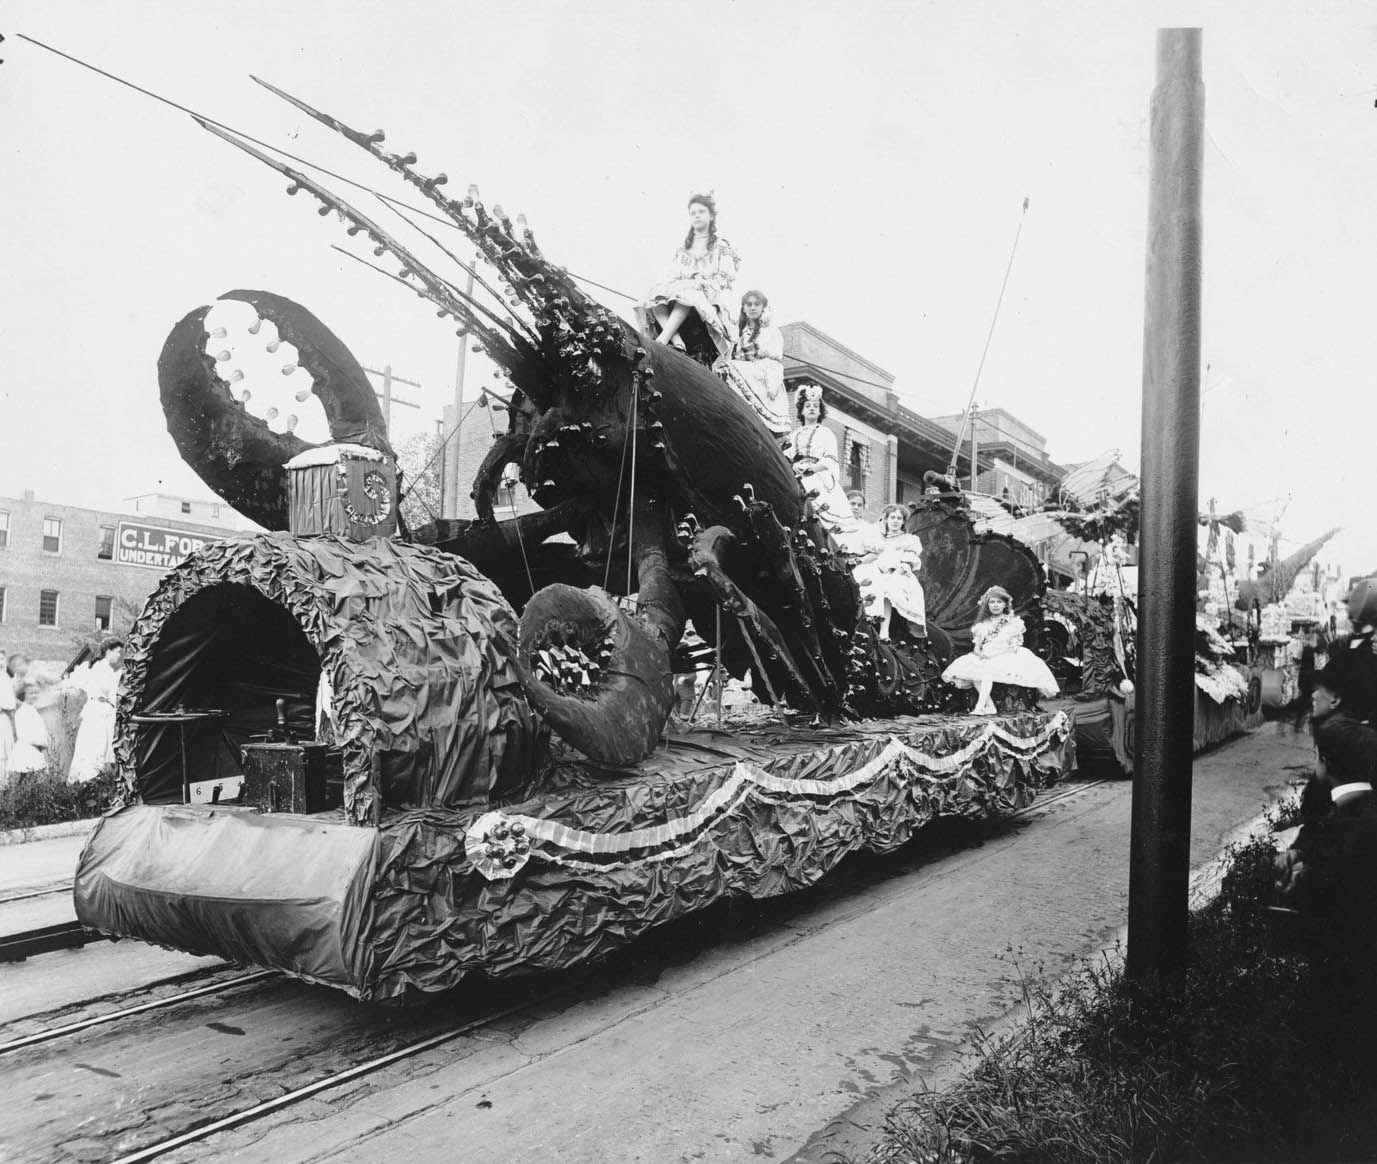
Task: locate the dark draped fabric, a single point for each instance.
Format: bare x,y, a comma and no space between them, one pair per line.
227,649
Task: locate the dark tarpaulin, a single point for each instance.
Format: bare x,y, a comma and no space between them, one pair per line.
418,903
416,642
270,890
436,918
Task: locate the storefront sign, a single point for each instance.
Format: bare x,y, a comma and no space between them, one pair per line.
154,546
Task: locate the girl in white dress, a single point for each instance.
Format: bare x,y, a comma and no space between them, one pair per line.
812,449
888,574
699,282
999,655
30,752
94,750
755,371
7,708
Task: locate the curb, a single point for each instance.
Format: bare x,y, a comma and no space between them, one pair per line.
66,828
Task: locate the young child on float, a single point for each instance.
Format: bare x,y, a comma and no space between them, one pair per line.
998,654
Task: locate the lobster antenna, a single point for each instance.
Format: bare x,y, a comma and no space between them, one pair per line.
534,278
433,287
468,269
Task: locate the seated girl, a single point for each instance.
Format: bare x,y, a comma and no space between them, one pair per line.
888,574
812,449
697,285
999,655
755,371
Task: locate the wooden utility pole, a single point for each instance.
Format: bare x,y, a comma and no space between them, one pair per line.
388,400
1159,869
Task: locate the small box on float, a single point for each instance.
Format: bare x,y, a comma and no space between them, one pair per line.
344,489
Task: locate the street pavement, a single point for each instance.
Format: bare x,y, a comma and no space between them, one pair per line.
792,1042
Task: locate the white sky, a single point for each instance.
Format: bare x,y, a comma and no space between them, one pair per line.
870,160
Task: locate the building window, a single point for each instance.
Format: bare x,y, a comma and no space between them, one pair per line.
186,506
2,604
855,467
47,608
214,511
4,528
104,604
52,535
107,543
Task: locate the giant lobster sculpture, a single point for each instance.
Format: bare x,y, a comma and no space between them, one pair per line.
667,486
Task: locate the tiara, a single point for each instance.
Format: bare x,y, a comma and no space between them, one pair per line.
811,391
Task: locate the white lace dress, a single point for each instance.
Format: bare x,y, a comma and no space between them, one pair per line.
893,576
1000,656
812,449
755,372
700,280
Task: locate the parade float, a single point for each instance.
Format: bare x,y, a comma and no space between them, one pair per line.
1089,632
426,785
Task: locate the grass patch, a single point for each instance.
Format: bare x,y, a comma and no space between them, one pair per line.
1230,1069
29,799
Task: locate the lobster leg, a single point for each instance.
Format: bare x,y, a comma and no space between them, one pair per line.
705,556
775,547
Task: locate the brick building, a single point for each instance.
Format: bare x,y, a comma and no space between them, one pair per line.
1020,469
69,575
884,448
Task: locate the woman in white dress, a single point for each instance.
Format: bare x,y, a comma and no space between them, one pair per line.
888,574
999,655
699,282
812,449
94,750
7,709
755,371
30,752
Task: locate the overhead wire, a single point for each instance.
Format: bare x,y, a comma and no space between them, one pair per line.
398,205
970,402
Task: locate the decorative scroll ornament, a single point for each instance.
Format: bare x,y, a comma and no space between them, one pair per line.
375,488
497,846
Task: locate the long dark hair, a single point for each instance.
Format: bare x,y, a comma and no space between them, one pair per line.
704,200
754,325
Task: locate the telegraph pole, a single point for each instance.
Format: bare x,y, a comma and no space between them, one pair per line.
1159,851
388,400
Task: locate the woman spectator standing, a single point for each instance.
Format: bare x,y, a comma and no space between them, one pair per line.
30,752
7,709
756,368
94,750
703,272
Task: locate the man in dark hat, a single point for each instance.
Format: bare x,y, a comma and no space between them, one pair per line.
1330,873
1354,656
